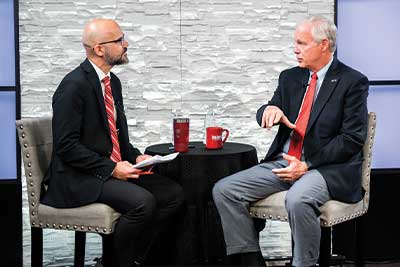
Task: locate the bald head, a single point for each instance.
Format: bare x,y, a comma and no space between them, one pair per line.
99,30
104,43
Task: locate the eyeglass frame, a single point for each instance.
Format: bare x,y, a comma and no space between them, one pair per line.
120,39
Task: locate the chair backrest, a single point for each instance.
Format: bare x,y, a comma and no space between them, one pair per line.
367,152
36,140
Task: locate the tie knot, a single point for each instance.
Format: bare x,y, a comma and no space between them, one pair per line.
314,76
106,80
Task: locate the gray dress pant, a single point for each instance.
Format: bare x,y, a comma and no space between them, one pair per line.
233,195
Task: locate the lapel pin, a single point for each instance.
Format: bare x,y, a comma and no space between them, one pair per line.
333,80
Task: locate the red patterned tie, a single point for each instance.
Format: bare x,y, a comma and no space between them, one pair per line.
109,103
296,142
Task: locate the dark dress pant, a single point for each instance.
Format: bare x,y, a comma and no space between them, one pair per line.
147,205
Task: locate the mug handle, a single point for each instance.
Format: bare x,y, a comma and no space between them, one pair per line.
226,134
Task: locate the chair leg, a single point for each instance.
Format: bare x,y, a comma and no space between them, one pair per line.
325,247
36,247
80,241
291,258
359,242
108,248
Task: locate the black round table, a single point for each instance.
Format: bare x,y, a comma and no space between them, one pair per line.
200,240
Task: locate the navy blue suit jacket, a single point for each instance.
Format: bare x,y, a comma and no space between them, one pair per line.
337,127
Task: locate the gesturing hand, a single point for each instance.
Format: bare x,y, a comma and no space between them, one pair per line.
294,171
272,115
124,170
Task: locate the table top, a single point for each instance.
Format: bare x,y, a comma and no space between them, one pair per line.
199,149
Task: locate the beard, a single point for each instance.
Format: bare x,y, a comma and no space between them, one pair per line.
116,60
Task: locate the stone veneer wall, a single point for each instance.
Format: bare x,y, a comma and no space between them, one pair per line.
184,55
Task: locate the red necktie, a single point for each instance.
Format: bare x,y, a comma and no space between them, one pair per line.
109,103
296,142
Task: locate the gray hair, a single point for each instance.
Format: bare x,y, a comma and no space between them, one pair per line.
322,28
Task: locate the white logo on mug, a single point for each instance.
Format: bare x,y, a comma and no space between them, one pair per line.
216,137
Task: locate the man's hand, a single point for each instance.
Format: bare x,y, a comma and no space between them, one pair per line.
294,171
272,115
142,157
124,170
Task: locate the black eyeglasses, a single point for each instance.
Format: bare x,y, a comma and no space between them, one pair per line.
120,40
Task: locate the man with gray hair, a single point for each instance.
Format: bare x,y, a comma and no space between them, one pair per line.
321,109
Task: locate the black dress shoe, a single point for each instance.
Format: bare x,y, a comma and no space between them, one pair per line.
98,262
252,259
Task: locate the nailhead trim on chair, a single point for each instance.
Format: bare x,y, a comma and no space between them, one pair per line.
26,151
68,227
89,229
344,218
271,217
366,185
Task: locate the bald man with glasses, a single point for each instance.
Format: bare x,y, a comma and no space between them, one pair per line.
92,158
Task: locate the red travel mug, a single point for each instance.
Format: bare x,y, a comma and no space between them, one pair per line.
214,137
181,134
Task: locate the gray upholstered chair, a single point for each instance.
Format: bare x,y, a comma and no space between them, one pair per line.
35,138
332,212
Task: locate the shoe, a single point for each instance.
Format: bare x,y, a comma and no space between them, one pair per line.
98,262
252,259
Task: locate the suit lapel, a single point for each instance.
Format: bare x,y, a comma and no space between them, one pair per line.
95,83
117,101
298,94
328,86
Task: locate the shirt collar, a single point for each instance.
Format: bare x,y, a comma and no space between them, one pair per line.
99,72
322,72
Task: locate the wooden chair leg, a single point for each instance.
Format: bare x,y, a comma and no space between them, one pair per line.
36,247
79,256
325,247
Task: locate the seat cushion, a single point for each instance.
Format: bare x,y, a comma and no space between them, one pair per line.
332,212
272,207
94,217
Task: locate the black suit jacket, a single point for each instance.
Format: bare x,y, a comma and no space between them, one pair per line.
337,127
81,139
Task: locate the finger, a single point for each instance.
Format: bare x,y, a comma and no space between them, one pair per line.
284,177
132,176
281,170
263,123
286,121
278,117
134,171
288,157
271,120
126,164
287,179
